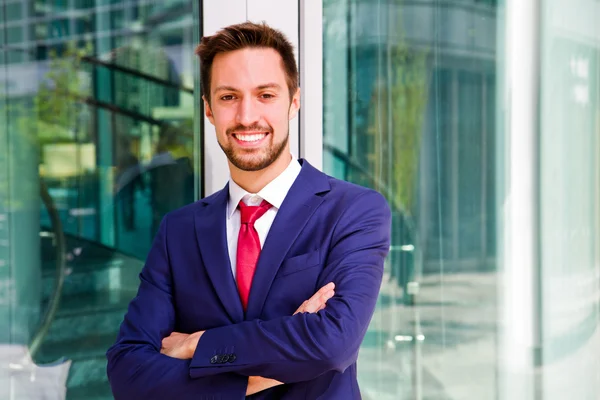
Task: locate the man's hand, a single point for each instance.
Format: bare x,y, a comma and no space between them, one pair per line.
180,345
258,384
318,300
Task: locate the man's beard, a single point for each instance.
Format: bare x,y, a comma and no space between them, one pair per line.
255,162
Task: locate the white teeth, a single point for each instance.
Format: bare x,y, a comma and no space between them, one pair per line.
251,138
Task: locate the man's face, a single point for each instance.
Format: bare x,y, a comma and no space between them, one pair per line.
250,107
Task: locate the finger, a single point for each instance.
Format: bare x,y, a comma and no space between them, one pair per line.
324,290
311,305
314,303
322,295
301,308
304,307
326,296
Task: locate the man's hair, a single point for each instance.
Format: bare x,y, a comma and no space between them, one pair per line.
241,36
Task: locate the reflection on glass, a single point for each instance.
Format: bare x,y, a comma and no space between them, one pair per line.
417,105
98,112
409,110
570,193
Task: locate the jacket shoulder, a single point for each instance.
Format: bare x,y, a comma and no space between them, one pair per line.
347,191
188,211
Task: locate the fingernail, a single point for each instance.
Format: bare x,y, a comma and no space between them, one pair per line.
331,285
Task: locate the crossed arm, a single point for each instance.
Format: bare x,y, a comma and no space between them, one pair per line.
183,345
288,349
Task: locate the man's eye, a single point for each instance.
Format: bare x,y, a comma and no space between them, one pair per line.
227,97
267,96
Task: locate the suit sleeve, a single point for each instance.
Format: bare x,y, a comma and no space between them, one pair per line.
136,368
304,346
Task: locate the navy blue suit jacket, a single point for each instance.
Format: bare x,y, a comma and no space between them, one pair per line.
326,230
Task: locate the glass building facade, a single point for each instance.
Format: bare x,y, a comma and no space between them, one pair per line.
479,120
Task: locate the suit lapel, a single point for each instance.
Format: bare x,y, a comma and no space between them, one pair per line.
211,233
299,205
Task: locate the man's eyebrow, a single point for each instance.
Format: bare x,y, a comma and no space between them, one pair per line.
227,88
269,86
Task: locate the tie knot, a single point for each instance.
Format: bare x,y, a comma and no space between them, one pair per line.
249,214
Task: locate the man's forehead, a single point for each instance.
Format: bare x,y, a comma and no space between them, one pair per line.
252,67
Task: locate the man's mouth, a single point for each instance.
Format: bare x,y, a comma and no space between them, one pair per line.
254,137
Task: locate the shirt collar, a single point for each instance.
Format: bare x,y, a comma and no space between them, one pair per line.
274,192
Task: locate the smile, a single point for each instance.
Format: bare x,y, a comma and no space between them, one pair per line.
250,138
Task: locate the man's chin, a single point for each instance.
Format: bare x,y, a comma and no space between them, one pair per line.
257,159
251,164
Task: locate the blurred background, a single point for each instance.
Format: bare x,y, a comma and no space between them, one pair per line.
479,120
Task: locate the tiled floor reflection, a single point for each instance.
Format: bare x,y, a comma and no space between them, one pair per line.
456,358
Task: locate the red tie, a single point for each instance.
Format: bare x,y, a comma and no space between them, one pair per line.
248,248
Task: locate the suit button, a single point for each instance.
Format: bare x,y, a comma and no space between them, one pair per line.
232,358
214,359
223,359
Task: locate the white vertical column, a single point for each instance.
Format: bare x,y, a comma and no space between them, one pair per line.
216,15
519,296
311,81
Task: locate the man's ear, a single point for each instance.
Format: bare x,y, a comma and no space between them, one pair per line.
208,111
295,105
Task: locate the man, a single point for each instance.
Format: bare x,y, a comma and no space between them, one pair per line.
216,315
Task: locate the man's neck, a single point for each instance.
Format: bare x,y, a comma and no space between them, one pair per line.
254,181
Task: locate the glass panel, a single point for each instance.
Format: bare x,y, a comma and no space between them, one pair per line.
84,25
14,34
13,11
79,4
416,105
117,20
409,110
96,146
570,199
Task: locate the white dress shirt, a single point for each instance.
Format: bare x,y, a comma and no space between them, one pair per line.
274,193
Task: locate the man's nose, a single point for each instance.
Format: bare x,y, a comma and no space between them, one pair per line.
248,112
